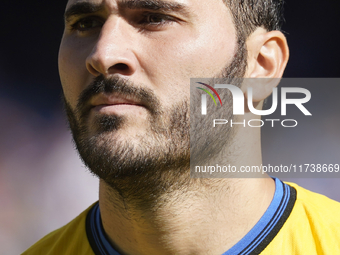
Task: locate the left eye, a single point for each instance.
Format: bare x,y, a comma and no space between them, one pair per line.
155,19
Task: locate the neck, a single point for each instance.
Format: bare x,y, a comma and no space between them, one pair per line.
188,216
207,218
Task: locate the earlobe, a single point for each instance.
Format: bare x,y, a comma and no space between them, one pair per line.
268,55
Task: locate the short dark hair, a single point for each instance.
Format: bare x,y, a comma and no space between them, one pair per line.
250,14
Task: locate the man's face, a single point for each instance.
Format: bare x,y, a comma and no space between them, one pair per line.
141,55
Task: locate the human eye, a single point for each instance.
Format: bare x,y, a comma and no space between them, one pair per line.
86,24
155,19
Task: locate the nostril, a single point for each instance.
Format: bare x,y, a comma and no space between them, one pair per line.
120,68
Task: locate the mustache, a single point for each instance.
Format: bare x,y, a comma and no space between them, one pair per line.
119,86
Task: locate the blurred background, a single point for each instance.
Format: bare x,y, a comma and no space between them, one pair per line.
43,184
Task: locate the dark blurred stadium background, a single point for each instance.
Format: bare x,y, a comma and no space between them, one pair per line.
42,182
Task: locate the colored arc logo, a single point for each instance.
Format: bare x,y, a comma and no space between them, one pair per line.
208,86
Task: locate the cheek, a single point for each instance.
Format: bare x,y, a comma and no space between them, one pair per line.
72,70
171,61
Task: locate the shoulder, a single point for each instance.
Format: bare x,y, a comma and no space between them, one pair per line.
316,206
67,240
313,226
319,213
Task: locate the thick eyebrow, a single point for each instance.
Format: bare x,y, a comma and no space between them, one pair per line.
154,5
81,8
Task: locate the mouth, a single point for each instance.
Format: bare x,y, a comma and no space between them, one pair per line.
115,104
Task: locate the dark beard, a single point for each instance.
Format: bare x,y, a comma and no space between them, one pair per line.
208,145
160,162
132,170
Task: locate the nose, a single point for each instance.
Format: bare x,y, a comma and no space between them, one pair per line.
112,52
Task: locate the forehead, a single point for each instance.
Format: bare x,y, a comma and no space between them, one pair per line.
188,5
112,2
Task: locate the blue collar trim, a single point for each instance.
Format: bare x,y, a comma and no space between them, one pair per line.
268,222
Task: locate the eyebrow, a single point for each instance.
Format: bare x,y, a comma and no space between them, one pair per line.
155,5
82,8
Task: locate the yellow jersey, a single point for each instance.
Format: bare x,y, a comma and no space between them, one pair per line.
296,222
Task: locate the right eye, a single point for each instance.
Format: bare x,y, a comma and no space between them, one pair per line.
86,24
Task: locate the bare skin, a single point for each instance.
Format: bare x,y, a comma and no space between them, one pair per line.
162,51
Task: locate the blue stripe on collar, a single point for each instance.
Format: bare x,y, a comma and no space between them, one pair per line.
270,223
96,234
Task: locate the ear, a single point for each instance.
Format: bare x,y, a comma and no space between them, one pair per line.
268,55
